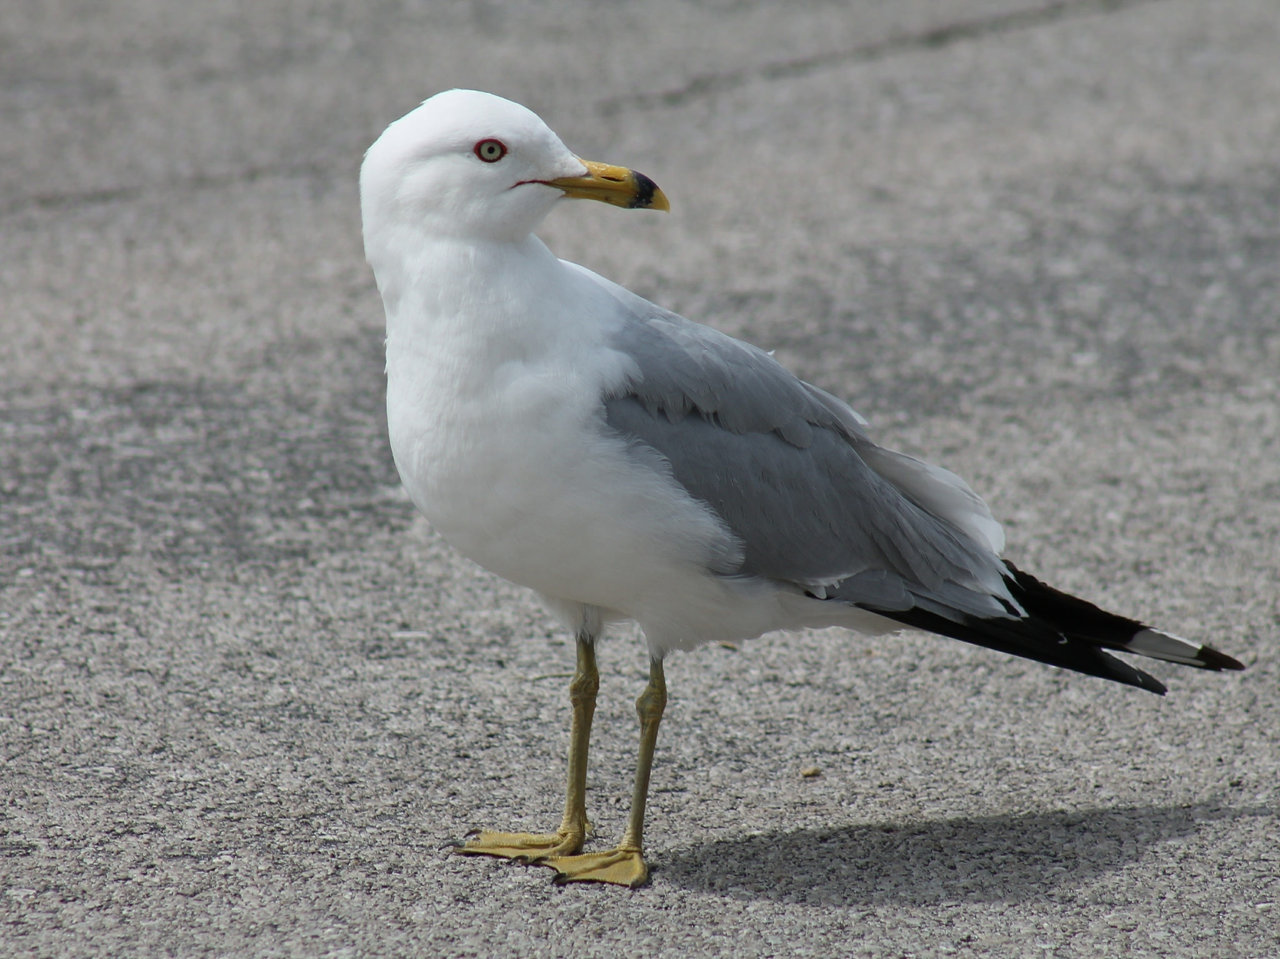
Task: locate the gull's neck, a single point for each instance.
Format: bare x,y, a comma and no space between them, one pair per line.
460,312
451,288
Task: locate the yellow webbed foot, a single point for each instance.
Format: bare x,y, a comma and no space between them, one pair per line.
521,846
622,867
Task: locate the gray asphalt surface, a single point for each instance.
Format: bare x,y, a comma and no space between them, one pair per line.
245,697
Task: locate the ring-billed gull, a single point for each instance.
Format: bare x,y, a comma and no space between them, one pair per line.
628,464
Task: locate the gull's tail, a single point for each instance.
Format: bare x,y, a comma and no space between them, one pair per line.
1065,631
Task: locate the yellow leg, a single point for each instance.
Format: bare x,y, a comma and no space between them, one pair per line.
568,839
625,865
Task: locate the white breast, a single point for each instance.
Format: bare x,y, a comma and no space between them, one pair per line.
494,403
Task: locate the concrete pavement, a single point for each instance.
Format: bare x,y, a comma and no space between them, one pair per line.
245,696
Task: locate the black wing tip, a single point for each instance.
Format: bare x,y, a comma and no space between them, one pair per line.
1086,621
1030,639
1210,658
1119,671
1148,682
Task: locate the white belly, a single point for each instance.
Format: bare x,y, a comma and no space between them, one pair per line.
522,478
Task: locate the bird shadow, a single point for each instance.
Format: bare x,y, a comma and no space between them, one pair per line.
965,859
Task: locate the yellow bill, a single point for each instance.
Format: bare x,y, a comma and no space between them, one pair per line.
615,185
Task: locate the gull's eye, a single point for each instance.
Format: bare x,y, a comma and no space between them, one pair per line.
490,151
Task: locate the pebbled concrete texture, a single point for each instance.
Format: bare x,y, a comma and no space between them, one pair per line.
245,697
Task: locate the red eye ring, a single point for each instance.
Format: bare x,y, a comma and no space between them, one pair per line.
490,151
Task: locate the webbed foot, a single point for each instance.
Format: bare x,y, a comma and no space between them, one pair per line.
622,867
521,846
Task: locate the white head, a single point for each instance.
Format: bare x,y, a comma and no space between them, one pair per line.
468,163
474,166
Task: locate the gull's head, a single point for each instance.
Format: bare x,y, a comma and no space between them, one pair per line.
475,166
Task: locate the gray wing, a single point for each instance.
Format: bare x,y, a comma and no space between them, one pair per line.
791,472
814,503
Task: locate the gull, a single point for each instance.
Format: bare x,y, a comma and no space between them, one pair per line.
630,465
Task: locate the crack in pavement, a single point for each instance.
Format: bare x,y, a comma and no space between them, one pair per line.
933,38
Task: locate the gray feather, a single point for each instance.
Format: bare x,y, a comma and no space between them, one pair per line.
793,475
